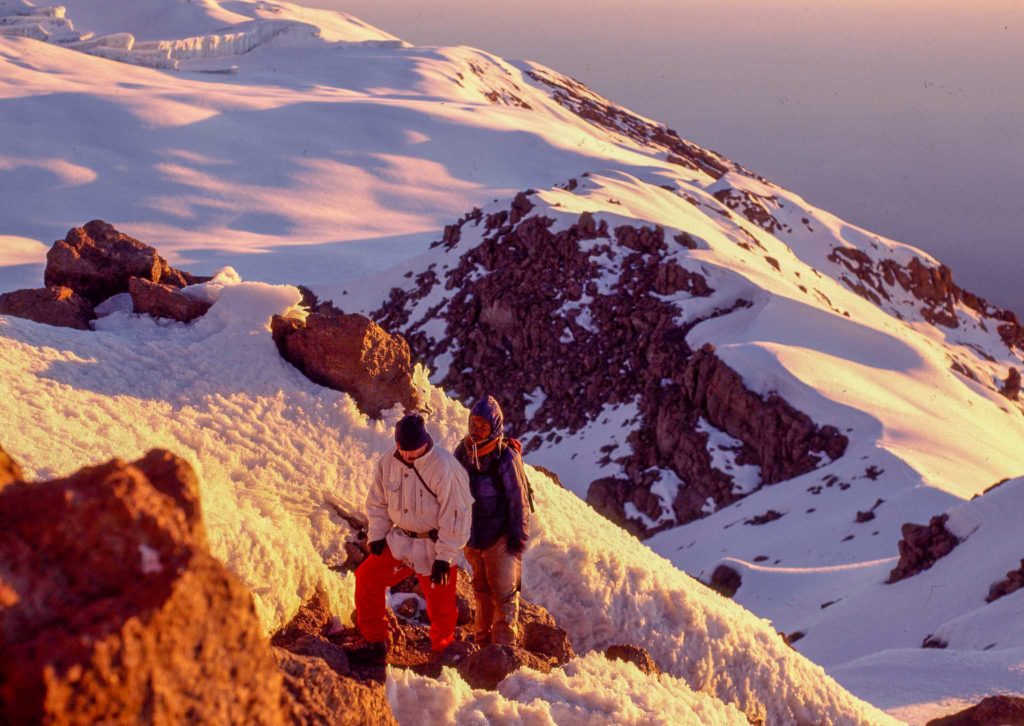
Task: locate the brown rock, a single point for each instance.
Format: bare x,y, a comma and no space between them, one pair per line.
55,305
96,261
541,636
316,694
311,619
349,353
635,655
1013,581
119,612
164,301
1011,386
490,665
725,581
10,472
990,711
922,546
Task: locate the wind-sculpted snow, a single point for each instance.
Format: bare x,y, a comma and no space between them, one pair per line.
587,691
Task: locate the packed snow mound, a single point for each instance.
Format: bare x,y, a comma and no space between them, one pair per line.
274,451
589,690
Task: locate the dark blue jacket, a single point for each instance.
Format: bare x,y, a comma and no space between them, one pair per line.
499,488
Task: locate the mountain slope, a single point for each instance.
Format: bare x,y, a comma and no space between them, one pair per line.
755,382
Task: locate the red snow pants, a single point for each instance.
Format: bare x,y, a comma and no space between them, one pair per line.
379,572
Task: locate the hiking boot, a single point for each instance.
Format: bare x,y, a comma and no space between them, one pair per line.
368,654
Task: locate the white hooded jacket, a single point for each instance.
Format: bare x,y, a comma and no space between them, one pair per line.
397,498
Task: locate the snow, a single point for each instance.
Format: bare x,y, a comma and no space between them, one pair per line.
588,690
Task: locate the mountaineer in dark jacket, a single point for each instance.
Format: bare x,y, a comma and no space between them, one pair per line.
501,522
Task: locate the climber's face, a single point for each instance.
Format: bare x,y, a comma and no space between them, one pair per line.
479,428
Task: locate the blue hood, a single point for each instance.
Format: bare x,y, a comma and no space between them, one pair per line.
489,410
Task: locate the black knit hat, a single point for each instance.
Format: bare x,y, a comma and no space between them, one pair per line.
411,433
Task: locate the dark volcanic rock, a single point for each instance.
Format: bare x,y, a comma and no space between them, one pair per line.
875,279
164,301
589,316
1013,581
56,305
116,612
96,261
990,711
490,665
725,581
633,654
350,353
1011,386
922,545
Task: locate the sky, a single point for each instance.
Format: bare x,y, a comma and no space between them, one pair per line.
903,116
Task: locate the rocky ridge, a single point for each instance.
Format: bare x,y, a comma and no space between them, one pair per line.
590,316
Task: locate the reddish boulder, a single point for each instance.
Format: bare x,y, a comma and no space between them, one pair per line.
318,695
635,655
55,305
922,545
725,581
115,610
490,665
164,301
990,711
96,261
349,353
542,637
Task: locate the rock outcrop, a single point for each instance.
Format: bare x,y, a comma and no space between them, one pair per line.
990,711
114,610
937,295
164,301
55,305
350,353
1013,581
490,665
633,654
725,581
922,545
97,261
318,676
1011,386
587,319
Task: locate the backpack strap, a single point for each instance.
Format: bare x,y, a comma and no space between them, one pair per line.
418,476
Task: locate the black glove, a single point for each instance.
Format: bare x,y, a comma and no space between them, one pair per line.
439,573
377,546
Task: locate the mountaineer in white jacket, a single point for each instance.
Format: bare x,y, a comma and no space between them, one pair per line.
420,509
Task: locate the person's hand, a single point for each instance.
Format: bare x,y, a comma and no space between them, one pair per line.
439,573
515,444
377,546
516,546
